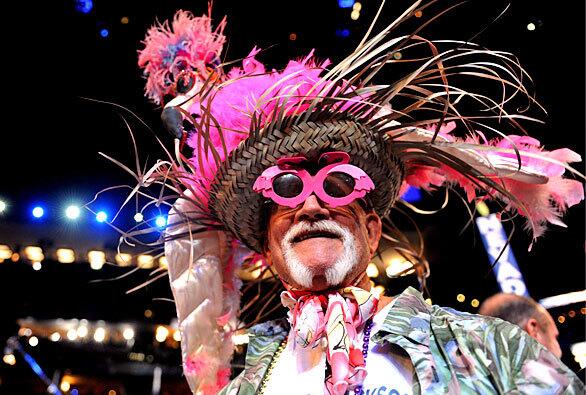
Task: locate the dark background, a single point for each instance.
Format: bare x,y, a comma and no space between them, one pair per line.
54,57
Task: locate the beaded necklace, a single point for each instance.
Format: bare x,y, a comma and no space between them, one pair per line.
365,343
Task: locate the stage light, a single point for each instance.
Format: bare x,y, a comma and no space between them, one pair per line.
65,255
161,221
398,55
571,313
25,332
293,36
342,32
418,14
398,266
161,333
72,212
123,259
38,212
372,270
100,334
5,252
74,392
3,206
101,216
111,392
345,3
82,331
357,6
561,319
84,6
65,386
72,334
33,341
138,217
177,336
163,262
124,20
55,337
145,261
96,259
148,313
9,359
354,15
531,26
104,33
37,266
460,298
475,303
34,253
128,333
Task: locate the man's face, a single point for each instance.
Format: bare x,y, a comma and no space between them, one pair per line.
316,247
547,334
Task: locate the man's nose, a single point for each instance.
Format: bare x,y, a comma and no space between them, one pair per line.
312,210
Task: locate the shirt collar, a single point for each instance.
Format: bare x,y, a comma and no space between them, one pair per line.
409,317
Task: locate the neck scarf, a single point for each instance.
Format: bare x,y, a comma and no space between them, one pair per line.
333,316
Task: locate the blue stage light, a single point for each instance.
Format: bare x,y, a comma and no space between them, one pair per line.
84,6
104,33
346,3
342,32
101,216
412,195
161,221
38,212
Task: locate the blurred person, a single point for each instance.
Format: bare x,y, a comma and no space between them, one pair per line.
526,313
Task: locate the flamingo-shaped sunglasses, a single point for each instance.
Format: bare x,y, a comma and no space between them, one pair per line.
336,184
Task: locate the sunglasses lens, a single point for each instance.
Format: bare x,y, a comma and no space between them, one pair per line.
287,185
339,184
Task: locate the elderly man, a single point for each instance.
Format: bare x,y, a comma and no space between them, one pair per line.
527,314
299,166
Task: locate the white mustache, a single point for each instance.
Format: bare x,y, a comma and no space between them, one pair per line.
325,225
335,274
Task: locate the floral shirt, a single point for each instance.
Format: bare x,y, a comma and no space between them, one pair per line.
451,352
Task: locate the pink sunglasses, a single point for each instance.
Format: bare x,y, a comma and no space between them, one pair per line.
336,184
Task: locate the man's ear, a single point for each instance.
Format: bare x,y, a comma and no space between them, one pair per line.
374,228
532,327
265,249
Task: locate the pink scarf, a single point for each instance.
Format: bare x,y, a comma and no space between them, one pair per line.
345,311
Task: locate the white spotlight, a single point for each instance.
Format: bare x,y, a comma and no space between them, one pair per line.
100,334
65,255
96,259
72,212
128,333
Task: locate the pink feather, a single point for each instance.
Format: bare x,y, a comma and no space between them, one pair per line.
190,40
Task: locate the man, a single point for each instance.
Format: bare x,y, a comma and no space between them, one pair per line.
528,315
299,167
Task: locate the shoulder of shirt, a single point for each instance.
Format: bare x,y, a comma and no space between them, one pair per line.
410,311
